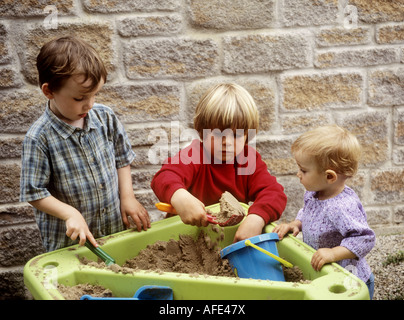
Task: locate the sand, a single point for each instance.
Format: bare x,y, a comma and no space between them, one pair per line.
77,291
184,256
229,206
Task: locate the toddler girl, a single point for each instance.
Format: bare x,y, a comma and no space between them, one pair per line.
332,219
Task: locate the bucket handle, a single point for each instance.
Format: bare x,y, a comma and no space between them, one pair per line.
284,262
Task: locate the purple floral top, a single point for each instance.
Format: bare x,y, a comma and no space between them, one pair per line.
339,221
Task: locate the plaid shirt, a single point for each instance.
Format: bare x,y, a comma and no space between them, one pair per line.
78,167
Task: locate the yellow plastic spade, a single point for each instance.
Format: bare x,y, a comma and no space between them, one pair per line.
284,262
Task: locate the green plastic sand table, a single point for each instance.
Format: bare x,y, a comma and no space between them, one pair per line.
63,266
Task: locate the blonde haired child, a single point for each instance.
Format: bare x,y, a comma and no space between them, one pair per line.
332,220
222,161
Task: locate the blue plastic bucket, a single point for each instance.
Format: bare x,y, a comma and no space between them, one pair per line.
248,262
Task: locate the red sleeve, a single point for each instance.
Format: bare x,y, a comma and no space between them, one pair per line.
266,193
175,174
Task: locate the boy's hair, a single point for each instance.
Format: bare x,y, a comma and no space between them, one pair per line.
63,57
332,147
226,106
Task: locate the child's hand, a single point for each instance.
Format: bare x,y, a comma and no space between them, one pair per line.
190,209
134,209
284,228
250,227
76,227
329,255
321,257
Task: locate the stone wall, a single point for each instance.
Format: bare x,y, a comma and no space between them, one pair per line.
306,63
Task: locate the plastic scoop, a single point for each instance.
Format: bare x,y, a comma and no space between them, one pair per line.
232,221
284,262
166,207
100,253
143,293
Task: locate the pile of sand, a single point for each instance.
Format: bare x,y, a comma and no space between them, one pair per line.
185,256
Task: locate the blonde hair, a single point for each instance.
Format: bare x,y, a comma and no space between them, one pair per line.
332,147
226,106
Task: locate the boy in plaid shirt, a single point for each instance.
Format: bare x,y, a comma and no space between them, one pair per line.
76,156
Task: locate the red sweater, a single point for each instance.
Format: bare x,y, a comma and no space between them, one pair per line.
207,181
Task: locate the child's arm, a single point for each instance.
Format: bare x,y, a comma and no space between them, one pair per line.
129,205
190,209
251,226
282,229
327,255
76,226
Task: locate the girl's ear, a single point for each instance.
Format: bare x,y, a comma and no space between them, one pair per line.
331,176
46,91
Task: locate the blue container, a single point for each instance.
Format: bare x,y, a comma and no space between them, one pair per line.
248,262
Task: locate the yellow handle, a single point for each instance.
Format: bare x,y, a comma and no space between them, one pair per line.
166,207
284,262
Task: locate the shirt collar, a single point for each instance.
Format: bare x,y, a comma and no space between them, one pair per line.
65,129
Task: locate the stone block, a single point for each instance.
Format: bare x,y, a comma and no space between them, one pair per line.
142,158
5,51
319,91
10,147
386,87
398,156
151,25
371,129
16,214
294,191
12,285
399,126
35,8
300,123
142,102
9,77
377,11
402,55
148,135
358,183
387,185
390,34
10,183
266,52
97,34
147,198
118,6
19,109
378,216
339,36
276,154
398,214
142,178
356,57
179,58
309,12
19,244
231,14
